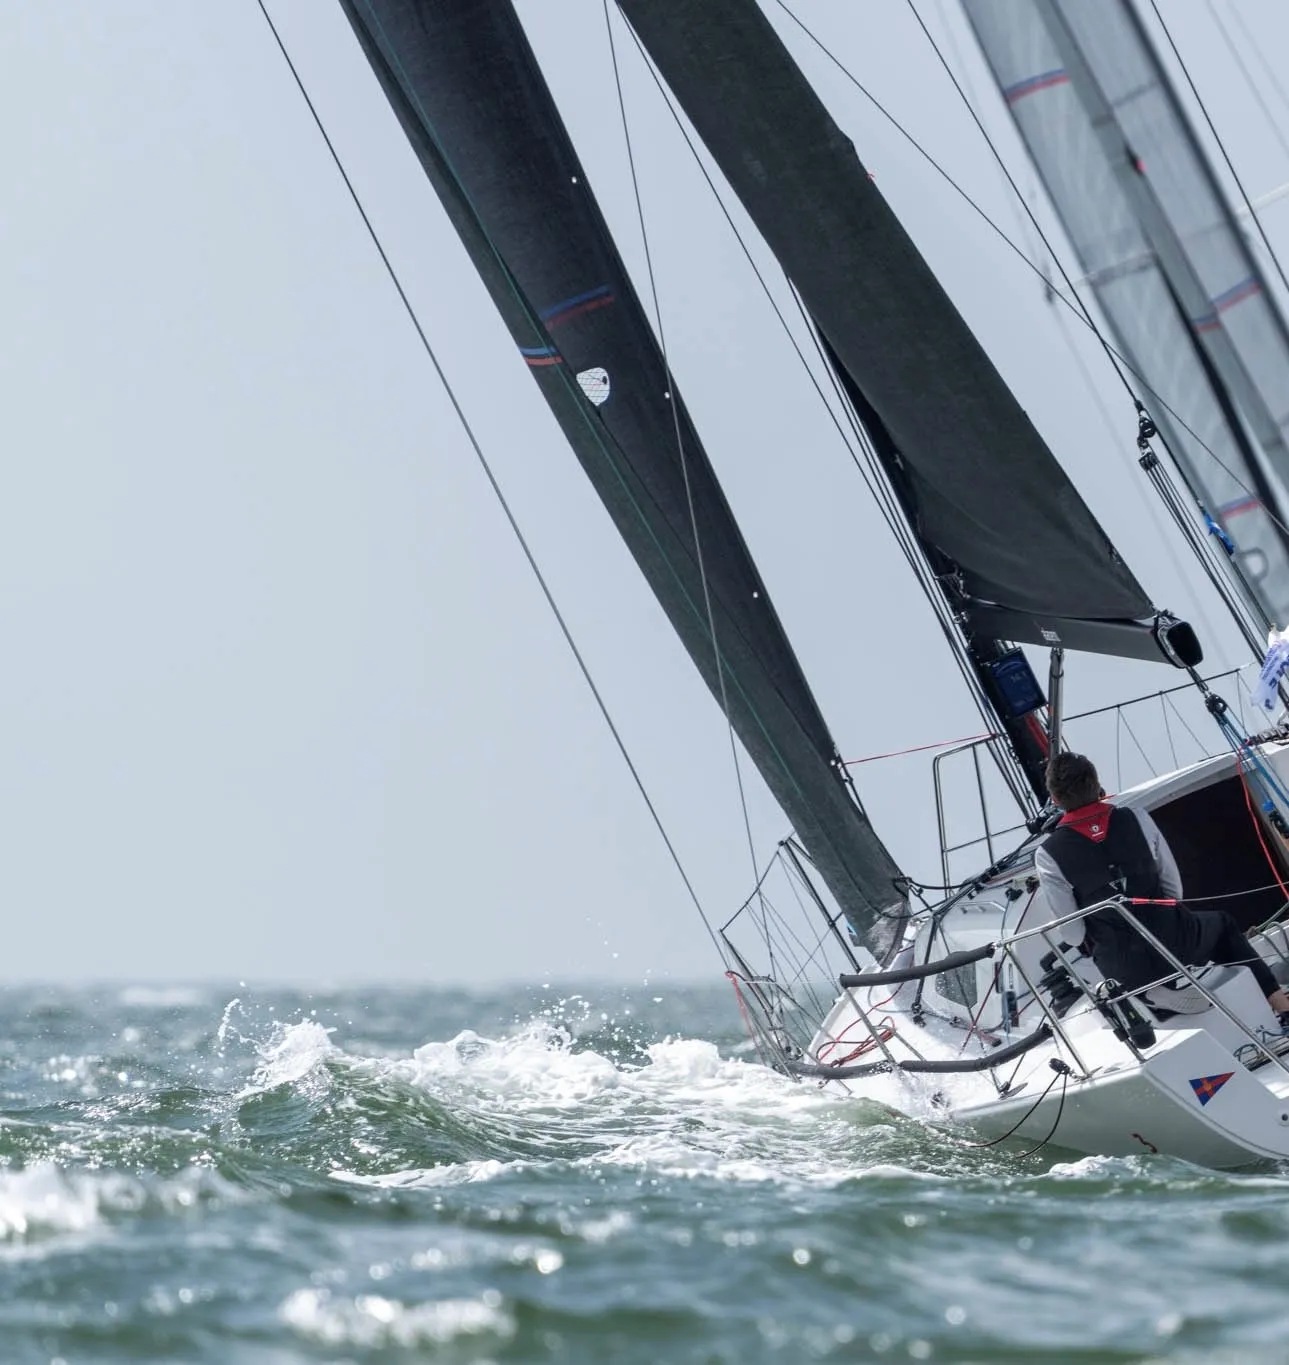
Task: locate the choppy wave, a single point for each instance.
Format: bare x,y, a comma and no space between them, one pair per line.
395,1176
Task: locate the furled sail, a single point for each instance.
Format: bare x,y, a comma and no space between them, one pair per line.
1164,255
464,83
1018,550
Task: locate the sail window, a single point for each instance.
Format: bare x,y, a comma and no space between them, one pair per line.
959,985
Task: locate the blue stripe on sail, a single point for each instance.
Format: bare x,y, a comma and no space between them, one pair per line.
541,355
1227,299
1243,290
592,298
1032,84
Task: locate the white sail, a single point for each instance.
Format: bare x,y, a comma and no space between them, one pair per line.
1164,255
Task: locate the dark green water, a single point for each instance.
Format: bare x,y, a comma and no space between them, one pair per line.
394,1175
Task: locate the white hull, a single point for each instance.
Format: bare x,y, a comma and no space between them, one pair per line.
1210,1086
1153,1107
1189,1095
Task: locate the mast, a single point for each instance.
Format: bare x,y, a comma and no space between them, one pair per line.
463,82
1015,551
1186,301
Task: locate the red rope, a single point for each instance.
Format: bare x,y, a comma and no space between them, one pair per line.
1257,825
841,1037
733,979
885,1032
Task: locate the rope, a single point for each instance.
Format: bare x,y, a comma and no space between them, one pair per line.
1276,131
973,1025
492,480
684,465
1158,516
920,748
1277,885
753,1033
1267,69
1168,731
1257,825
883,1033
853,434
1062,1075
601,438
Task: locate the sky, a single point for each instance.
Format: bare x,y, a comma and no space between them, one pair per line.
280,697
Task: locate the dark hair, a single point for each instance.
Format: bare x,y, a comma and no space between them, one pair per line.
1072,781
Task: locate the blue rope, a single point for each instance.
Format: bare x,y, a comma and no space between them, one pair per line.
1260,773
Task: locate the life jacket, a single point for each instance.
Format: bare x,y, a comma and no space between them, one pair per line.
1103,852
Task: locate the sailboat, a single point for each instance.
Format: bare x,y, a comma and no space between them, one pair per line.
968,1009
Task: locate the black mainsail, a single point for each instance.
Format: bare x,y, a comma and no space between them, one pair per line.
466,88
1163,253
1018,552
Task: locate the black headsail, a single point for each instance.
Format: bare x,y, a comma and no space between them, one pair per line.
463,81
1019,554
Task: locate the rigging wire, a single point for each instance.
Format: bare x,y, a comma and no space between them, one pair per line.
684,462
853,434
1073,301
1153,510
1084,311
1168,731
601,439
1221,146
1276,131
484,463
1268,70
876,488
1074,304
1203,550
1008,763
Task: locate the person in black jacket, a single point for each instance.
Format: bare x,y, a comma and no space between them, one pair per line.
1099,851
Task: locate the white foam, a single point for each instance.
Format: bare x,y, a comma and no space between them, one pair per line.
294,1052
45,1199
42,1197
535,1065
372,1321
688,1111
432,1177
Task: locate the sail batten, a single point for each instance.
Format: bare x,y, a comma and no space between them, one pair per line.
1163,254
463,82
1002,524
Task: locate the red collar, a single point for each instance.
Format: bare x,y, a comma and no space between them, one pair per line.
1093,822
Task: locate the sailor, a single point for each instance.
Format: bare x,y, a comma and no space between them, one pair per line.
1099,851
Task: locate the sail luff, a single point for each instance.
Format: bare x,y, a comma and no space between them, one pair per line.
462,80
982,491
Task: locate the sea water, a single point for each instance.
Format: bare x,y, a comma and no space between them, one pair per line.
238,1173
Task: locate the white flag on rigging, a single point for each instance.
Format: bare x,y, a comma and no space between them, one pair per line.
1276,660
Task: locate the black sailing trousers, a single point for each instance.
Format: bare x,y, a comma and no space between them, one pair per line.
1220,940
